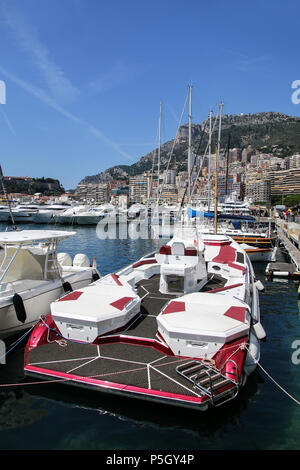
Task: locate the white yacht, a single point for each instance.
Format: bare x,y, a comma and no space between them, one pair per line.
33,274
23,213
4,213
68,216
46,214
97,213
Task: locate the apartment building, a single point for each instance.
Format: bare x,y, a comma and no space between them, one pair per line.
258,191
139,188
97,193
285,181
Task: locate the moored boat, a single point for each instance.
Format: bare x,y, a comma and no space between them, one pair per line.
33,274
180,326
257,253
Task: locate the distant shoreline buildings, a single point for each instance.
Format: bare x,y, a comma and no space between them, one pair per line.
246,172
257,176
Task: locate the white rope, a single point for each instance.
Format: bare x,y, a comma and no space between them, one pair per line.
273,380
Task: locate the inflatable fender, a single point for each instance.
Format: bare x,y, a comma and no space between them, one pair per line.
19,308
67,287
95,277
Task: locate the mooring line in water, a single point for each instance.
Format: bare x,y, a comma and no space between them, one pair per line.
273,380
35,383
19,341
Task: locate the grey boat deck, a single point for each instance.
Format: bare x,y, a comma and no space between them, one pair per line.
133,358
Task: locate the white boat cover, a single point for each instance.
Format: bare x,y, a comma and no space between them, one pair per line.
199,324
29,236
97,309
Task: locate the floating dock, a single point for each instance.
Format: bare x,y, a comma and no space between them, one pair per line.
289,236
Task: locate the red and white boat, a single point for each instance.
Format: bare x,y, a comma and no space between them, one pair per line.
180,326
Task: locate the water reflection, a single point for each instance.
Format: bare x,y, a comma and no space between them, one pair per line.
155,415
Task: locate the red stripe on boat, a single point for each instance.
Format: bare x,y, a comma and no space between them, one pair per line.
226,254
144,261
116,279
237,266
237,313
72,296
214,243
190,251
220,289
120,303
174,307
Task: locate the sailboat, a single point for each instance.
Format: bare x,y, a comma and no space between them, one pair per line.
258,244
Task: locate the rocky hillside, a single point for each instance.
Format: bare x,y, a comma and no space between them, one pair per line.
270,132
45,186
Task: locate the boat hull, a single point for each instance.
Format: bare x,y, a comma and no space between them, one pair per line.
257,255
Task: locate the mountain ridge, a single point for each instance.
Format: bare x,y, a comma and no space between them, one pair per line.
266,132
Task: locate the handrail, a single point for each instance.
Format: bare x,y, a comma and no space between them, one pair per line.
9,264
237,369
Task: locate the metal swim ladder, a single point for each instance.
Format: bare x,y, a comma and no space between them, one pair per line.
209,380
51,265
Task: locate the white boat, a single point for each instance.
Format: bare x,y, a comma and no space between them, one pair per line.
33,274
257,254
180,326
23,213
4,213
68,216
232,205
97,213
46,214
137,212
258,244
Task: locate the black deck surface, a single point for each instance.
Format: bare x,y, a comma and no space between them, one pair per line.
119,362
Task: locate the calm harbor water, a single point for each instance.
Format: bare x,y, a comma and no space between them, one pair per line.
51,417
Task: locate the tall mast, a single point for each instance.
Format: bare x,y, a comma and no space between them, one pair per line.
217,167
190,144
227,162
7,200
209,158
159,145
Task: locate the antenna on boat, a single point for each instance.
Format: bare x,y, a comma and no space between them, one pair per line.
209,158
190,143
227,163
217,163
7,199
159,145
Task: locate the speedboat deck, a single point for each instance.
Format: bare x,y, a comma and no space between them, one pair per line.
178,332
134,361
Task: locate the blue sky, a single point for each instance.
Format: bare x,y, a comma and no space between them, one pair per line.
84,78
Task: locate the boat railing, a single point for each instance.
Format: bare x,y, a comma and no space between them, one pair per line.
196,371
4,269
237,384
